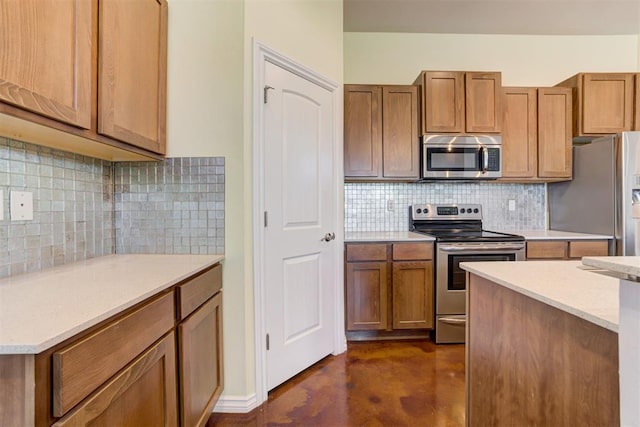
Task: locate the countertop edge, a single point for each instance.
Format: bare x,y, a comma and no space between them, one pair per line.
541,298
26,349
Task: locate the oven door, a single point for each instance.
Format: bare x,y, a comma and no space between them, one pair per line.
451,279
461,161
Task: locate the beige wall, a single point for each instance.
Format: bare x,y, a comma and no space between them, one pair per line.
210,76
394,58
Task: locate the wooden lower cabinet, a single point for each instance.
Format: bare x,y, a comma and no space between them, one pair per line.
392,289
412,295
159,363
200,362
142,394
566,249
366,296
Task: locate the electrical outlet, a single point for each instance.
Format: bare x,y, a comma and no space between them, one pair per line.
1,205
21,206
512,205
390,206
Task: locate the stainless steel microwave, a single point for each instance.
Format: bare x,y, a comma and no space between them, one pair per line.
461,156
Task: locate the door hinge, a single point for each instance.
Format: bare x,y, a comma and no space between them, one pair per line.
266,88
267,342
266,219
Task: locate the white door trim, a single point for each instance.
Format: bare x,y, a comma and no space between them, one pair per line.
261,54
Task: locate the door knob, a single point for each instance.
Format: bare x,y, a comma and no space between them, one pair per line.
329,237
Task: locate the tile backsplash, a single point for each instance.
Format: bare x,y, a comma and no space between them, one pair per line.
366,205
86,207
72,208
176,206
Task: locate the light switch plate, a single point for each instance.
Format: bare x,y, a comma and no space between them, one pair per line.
1,205
21,206
512,205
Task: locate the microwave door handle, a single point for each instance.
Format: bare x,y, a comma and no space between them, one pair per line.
485,159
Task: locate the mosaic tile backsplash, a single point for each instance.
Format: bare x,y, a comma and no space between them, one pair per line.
366,205
172,207
85,207
72,208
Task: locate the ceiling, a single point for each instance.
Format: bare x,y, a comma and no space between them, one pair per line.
541,17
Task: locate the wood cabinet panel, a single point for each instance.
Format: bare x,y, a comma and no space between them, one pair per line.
541,249
362,131
607,103
132,72
198,290
528,363
143,394
554,133
483,95
412,295
400,141
366,296
444,101
82,367
366,252
580,248
47,57
412,251
520,132
200,361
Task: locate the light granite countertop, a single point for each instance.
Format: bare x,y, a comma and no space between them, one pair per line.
624,265
566,285
386,236
556,235
39,310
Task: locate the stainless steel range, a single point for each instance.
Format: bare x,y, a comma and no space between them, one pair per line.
459,238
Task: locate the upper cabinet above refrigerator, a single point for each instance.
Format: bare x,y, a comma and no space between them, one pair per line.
604,103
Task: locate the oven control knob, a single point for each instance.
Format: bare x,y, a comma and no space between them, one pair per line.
426,211
462,210
475,210
419,211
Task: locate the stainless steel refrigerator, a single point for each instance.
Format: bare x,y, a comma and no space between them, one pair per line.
604,195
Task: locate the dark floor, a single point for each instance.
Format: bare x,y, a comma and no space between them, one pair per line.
383,383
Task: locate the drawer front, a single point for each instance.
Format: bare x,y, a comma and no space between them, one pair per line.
412,251
552,249
580,248
367,252
197,291
84,366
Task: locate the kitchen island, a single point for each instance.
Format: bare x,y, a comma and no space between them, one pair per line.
135,338
542,344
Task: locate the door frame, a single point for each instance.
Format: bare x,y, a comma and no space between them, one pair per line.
262,54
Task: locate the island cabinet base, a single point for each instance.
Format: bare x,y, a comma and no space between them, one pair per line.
528,363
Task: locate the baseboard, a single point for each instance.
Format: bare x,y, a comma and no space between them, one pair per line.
236,404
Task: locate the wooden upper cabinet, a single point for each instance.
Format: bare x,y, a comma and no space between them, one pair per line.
554,133
132,72
603,104
381,140
459,102
362,131
483,102
444,101
520,132
400,140
46,60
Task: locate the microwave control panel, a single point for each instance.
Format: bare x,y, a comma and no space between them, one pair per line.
493,156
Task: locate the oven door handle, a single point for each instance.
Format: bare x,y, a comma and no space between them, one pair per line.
452,321
452,248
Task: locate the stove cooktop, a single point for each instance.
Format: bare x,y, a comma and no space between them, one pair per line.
470,235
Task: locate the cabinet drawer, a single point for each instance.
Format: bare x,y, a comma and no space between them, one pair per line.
547,249
81,368
195,292
367,252
578,249
412,251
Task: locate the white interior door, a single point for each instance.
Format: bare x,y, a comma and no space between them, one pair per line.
299,195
